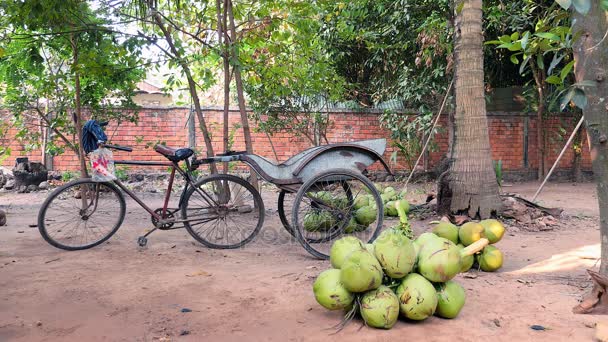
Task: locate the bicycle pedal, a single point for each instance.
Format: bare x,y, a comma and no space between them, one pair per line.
142,241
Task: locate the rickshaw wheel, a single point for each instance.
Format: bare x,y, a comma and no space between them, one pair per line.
281,208
323,208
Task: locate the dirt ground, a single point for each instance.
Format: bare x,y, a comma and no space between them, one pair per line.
117,292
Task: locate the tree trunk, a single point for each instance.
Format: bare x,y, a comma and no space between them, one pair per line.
469,186
77,116
191,86
223,45
539,79
240,92
591,64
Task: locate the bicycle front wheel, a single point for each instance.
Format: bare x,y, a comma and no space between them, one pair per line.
81,214
223,211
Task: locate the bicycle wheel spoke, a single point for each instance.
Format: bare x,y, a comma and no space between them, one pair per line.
235,208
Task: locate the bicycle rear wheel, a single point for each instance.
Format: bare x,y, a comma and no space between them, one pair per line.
325,210
81,214
223,211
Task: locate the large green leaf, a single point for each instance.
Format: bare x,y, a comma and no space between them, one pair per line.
566,99
553,79
548,35
582,6
579,98
604,5
564,3
566,70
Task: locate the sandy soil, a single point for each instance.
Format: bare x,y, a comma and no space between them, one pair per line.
117,292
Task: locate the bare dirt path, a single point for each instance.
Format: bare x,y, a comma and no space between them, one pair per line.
116,292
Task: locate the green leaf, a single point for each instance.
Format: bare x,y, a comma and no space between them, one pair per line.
540,62
494,42
566,70
515,46
566,99
548,35
604,4
579,98
505,39
554,63
524,39
564,3
514,59
582,6
553,79
514,36
522,67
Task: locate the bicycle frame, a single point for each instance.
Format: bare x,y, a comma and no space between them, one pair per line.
174,167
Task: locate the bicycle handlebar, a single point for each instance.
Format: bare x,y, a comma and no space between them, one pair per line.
120,148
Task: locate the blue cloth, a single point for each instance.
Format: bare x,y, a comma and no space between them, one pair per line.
92,135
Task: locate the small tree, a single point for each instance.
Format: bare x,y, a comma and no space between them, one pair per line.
58,57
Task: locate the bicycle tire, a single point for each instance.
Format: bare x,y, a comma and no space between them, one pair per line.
282,216
297,227
42,227
258,205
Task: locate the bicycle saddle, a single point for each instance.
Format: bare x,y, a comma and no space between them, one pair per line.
174,154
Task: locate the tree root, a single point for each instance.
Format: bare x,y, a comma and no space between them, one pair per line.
596,302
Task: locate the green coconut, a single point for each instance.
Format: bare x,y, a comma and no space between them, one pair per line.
385,198
391,193
467,260
326,219
417,297
424,238
390,210
324,196
450,299
361,272
490,259
446,230
342,248
366,215
380,308
370,248
330,292
439,260
403,205
395,252
470,232
352,226
361,201
312,221
493,230
340,202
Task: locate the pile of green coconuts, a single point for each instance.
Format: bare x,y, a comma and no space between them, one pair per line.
396,275
364,209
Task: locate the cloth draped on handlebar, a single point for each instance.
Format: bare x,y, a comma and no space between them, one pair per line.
102,160
92,136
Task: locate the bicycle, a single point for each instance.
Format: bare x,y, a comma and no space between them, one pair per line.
224,211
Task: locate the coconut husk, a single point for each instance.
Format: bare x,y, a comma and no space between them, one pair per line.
596,302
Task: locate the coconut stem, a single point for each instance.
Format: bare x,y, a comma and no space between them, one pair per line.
475,247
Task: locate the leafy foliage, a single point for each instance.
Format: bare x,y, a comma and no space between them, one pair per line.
38,65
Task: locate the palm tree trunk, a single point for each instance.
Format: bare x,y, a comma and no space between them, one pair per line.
469,186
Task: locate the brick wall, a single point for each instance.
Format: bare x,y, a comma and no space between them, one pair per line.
169,125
